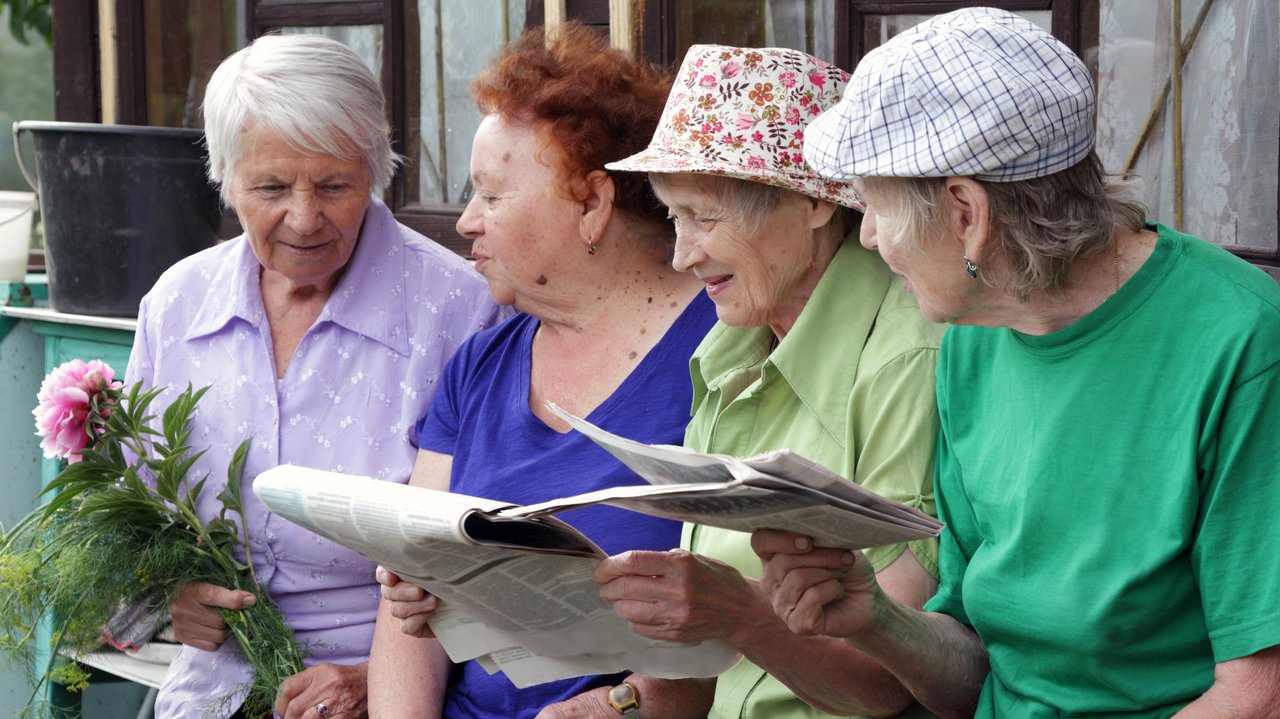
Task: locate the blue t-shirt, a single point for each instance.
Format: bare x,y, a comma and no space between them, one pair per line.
502,451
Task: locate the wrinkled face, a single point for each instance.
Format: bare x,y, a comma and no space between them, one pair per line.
520,225
755,275
301,211
931,268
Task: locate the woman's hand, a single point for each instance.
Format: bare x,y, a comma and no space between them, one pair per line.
667,698
196,620
342,689
679,596
594,703
816,590
409,603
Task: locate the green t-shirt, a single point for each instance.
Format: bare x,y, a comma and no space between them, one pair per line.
851,387
1110,490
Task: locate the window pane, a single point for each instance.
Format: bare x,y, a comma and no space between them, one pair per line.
365,40
880,28
456,41
1230,114
799,24
184,43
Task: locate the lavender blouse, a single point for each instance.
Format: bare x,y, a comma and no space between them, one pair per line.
361,377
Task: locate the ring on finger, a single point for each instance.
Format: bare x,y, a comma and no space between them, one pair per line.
322,711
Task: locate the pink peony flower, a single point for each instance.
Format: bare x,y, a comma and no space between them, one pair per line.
708,81
731,68
64,404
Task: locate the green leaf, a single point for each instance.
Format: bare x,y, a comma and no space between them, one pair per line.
29,15
194,493
231,496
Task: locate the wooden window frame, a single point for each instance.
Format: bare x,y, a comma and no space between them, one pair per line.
77,64
1074,22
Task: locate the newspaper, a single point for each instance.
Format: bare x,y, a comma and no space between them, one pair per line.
775,490
516,594
515,582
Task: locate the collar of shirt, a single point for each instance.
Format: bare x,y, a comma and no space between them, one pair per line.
822,350
369,299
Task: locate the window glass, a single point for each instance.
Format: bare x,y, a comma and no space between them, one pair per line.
1230,114
880,28
455,41
798,24
184,42
365,40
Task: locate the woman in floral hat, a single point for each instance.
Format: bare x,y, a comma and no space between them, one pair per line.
817,350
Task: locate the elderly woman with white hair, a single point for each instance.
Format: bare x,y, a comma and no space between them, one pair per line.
322,331
817,350
1107,461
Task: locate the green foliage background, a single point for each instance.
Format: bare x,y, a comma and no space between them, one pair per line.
29,17
26,92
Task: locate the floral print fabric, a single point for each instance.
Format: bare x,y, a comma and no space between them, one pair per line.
742,112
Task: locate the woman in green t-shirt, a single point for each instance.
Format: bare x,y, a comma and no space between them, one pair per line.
1106,462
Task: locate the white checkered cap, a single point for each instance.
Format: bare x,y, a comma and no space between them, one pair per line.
976,93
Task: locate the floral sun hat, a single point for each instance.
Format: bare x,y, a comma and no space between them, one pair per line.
742,112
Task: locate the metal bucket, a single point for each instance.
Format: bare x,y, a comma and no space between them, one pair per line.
120,204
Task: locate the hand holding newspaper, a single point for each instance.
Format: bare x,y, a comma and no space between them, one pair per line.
515,582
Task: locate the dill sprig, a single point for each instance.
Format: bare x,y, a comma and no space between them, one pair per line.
120,526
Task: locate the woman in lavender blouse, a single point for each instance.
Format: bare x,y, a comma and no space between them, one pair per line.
322,330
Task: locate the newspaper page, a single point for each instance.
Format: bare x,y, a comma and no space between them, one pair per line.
776,490
518,591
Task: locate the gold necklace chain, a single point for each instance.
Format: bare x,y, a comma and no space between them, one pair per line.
1115,262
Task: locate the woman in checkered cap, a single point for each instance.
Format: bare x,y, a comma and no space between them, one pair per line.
1108,403
817,350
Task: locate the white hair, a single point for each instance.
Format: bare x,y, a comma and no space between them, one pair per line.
315,91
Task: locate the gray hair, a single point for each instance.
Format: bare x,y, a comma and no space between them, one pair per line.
313,90
1038,226
753,202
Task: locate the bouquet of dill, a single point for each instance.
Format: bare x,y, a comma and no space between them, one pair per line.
120,528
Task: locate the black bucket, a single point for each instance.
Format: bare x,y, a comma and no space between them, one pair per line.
120,204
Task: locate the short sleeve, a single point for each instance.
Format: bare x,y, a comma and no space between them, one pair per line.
437,430
1240,499
895,425
960,536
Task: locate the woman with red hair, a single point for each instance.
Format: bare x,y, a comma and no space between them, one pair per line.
605,329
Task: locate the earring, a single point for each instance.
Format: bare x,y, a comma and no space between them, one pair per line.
971,268
591,245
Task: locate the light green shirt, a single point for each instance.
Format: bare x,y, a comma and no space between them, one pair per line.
851,386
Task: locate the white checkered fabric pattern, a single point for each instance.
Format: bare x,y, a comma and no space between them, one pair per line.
976,93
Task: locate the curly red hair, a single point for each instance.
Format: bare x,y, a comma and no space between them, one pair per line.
597,104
